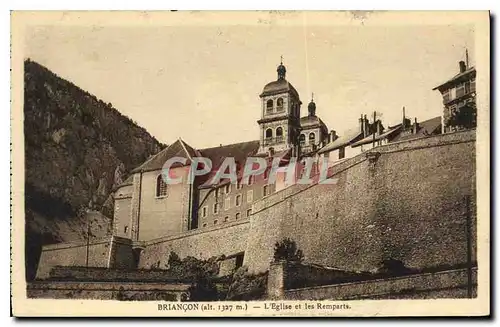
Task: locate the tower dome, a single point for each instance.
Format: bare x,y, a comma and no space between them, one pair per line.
281,71
311,107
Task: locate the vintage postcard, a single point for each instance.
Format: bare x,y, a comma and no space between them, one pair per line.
262,164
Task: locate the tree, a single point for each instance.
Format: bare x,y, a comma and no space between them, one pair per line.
287,250
464,117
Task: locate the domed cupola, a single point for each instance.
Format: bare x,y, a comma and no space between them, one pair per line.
311,107
281,71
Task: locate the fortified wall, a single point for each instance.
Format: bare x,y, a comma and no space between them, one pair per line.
113,252
228,240
402,201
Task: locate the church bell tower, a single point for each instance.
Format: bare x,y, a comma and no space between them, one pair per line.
280,115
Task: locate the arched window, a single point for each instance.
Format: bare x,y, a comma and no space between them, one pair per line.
312,137
269,105
302,139
279,103
269,133
279,134
161,187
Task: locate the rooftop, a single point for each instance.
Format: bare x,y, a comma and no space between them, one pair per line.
279,86
457,78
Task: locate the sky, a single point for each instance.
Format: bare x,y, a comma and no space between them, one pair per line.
202,83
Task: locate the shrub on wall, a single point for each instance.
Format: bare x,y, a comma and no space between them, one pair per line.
287,250
247,287
202,274
464,117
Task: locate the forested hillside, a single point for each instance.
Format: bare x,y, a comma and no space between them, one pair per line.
77,149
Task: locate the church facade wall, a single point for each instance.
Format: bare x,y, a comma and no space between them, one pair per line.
123,216
167,215
402,205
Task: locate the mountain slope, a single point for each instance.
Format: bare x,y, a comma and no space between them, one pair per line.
77,149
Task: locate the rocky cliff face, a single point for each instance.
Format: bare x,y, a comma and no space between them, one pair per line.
77,149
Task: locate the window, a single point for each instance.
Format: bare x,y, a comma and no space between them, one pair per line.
341,153
239,260
238,185
216,208
227,189
250,196
204,212
205,225
238,215
467,87
161,187
227,203
453,93
279,104
312,138
446,96
269,105
226,219
460,90
250,180
249,212
302,139
265,190
215,222
216,193
279,134
238,200
269,133
125,229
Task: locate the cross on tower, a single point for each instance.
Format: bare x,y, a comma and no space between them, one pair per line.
281,59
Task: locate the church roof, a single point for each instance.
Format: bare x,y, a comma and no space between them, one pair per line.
309,120
240,151
177,149
279,86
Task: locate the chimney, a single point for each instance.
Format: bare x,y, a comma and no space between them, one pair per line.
367,127
379,127
404,123
362,125
333,135
415,126
462,66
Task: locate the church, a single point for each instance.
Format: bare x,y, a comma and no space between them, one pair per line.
147,208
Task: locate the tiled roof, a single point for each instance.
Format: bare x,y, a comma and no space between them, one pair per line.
239,151
427,127
177,149
381,136
345,139
431,125
471,70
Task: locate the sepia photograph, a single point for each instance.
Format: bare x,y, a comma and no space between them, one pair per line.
267,163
